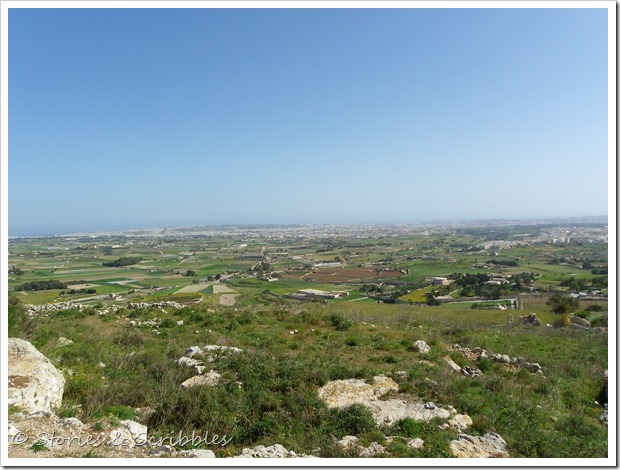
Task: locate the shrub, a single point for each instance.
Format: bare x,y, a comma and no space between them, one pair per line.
561,304
340,323
600,321
167,323
410,427
595,308
120,411
352,420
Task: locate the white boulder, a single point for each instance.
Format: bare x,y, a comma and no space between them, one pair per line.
34,383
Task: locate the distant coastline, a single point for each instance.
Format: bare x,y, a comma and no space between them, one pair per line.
180,229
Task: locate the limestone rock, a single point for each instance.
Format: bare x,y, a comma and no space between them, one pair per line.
453,365
192,350
275,451
214,347
459,422
348,442
211,378
73,422
390,411
188,362
34,383
161,450
120,437
198,454
137,430
382,385
489,445
343,393
128,435
421,346
580,321
415,443
471,371
373,449
64,341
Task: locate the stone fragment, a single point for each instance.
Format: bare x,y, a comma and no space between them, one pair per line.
421,346
348,442
453,365
198,454
211,378
373,449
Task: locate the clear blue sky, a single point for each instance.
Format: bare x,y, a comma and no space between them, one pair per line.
124,118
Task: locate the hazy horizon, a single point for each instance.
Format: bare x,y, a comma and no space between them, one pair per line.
144,117
42,232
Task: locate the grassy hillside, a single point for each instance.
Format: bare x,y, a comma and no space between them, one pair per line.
539,416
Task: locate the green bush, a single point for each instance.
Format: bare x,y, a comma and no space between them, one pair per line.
410,427
352,420
120,411
600,321
167,323
340,323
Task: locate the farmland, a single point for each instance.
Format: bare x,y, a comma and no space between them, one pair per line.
313,304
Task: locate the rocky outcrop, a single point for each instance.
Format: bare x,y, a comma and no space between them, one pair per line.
343,393
489,445
388,412
275,451
34,383
510,362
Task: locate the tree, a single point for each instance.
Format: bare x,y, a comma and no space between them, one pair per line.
431,300
561,304
15,270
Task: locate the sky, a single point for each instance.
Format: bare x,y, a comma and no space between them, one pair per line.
128,118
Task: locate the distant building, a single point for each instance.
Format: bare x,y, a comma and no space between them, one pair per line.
307,294
440,281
